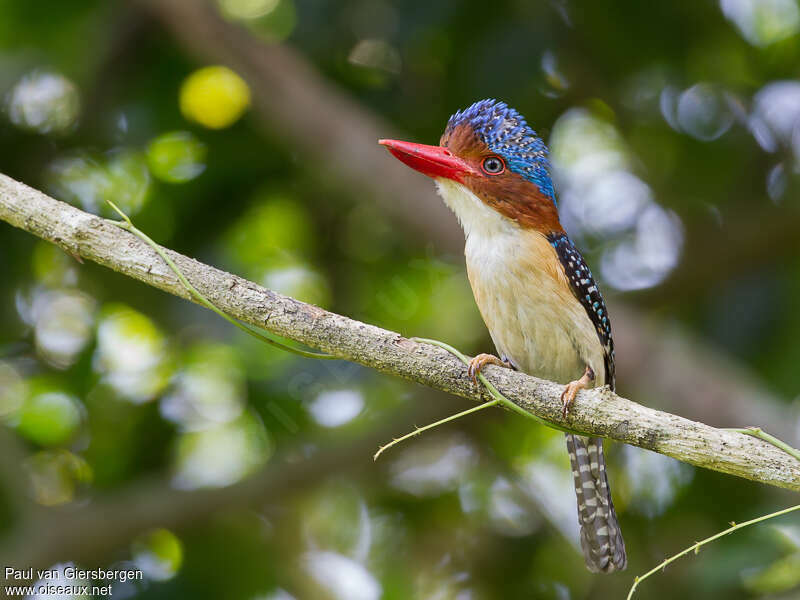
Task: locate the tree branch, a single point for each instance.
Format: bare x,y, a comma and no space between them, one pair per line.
291,99
596,412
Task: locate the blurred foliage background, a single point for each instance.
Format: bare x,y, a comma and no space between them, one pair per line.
675,135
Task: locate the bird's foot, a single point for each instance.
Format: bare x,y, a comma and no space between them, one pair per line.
572,389
478,362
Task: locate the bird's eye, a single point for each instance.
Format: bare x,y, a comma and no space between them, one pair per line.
493,165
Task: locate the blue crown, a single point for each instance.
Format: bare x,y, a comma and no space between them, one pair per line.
506,133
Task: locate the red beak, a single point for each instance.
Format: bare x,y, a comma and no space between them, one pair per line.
433,161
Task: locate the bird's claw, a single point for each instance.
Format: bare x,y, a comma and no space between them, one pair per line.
478,362
572,389
568,396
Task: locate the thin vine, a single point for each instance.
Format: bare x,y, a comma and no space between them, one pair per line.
754,432
757,432
697,545
128,225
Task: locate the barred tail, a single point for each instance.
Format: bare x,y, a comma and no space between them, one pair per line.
601,538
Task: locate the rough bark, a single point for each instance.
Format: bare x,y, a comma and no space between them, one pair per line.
596,412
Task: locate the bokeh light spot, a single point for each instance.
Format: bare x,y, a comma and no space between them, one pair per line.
86,182
433,466
703,112
176,157
342,577
376,54
56,475
13,390
775,119
50,418
338,519
131,353
275,230
783,575
221,455
602,198
648,255
208,391
271,20
555,82
247,9
763,22
44,102
279,594
158,553
298,281
215,97
509,514
63,323
654,480
334,408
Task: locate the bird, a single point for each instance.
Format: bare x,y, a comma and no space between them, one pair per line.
535,292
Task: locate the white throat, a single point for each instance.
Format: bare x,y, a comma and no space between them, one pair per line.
476,218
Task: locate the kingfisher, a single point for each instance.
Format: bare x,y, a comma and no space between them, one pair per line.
535,292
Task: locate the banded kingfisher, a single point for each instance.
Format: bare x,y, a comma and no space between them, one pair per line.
535,292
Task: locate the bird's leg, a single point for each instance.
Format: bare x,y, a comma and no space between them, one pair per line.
572,389
478,362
